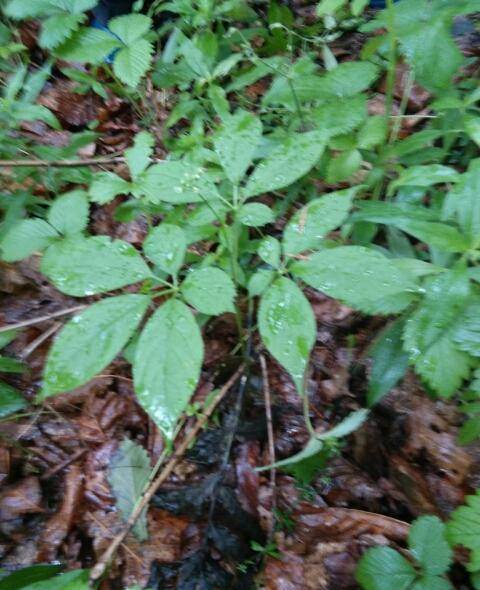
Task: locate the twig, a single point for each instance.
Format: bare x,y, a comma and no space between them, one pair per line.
61,466
43,318
100,567
271,442
27,351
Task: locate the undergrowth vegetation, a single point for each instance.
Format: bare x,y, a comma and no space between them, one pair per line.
383,220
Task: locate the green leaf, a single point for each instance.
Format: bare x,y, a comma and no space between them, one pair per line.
438,235
259,281
133,62
432,583
462,204
138,156
11,401
7,337
373,133
255,215
389,362
464,529
88,45
383,568
195,58
57,28
469,431
19,9
11,365
129,28
425,176
472,128
86,266
210,290
74,580
90,341
287,163
28,575
308,226
177,182
236,142
166,246
340,115
106,186
168,359
343,166
428,335
68,214
364,279
329,6
128,473
269,251
287,327
25,238
427,543
466,332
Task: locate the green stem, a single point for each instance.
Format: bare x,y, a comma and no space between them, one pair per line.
392,60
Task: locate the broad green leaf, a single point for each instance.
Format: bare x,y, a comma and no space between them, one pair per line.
428,334
463,205
472,127
364,279
287,327
259,281
166,246
463,529
68,214
383,568
427,543
28,575
358,6
287,163
57,28
128,473
167,365
11,365
373,133
466,332
308,226
11,401
340,115
432,583
129,28
86,266
348,425
25,238
19,9
255,215
177,182
439,235
389,362
329,6
88,45
269,251
138,156
74,580
7,337
132,63
342,167
210,290
90,341
106,186
235,143
425,176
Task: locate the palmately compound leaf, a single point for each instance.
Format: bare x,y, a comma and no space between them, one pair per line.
90,341
210,290
88,45
288,162
106,186
176,182
57,28
166,246
429,546
360,277
68,214
131,63
464,529
25,238
235,143
383,568
138,156
130,27
128,473
312,223
168,359
430,331
86,266
287,327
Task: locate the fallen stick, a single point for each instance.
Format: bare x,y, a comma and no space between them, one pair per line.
99,569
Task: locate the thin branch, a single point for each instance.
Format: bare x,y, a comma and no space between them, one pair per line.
27,351
100,567
43,318
271,441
